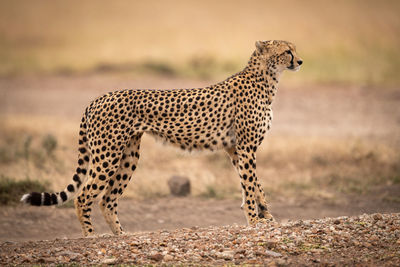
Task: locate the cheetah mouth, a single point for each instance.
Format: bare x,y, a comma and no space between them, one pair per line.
293,68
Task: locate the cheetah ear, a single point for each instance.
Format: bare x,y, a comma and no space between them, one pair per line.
260,46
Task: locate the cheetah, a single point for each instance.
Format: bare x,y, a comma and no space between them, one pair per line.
232,115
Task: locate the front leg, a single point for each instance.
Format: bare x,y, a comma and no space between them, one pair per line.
254,203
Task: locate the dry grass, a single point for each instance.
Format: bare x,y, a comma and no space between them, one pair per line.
345,41
289,167
11,190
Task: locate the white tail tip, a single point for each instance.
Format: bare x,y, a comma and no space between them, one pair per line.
24,198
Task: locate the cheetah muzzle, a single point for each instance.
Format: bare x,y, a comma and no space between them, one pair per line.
233,115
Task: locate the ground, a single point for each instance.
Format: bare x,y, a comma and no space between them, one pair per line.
332,151
32,223
367,240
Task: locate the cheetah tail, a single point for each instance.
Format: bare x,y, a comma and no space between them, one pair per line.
59,198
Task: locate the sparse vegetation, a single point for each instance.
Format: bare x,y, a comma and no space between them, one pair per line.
12,190
210,192
49,144
27,150
331,168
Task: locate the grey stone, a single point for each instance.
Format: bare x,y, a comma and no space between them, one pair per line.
179,186
272,253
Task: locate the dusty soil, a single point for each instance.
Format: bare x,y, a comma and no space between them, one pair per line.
362,240
23,223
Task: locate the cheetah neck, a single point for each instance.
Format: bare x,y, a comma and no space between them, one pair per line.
265,75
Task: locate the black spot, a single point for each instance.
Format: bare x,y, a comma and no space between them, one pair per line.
82,150
111,182
77,179
105,164
63,196
94,186
102,177
70,188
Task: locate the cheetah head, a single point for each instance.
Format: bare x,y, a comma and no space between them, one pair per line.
280,54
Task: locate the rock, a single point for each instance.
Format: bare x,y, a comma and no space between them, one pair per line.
271,244
272,253
168,257
240,251
226,255
71,255
109,261
47,260
156,257
377,216
179,186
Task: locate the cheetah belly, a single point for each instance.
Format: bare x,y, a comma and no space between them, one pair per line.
222,138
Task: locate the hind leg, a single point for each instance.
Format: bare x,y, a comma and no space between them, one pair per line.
117,184
100,173
83,206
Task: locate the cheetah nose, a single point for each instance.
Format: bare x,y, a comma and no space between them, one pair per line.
299,62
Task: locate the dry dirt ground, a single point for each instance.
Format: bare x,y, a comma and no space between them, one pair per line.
308,111
366,240
23,223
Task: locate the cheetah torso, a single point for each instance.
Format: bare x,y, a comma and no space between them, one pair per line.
200,118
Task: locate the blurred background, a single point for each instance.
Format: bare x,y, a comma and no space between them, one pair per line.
341,41
334,143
